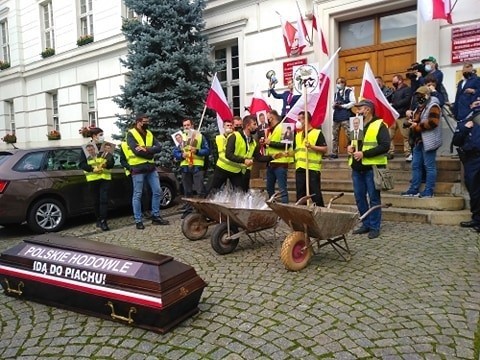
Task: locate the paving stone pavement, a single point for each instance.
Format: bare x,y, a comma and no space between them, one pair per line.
413,293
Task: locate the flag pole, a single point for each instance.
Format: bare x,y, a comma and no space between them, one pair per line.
306,148
205,107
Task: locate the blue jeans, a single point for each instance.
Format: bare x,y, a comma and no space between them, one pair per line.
364,185
154,182
423,159
277,174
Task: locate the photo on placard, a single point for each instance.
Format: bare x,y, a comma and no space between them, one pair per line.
90,150
107,148
288,133
177,138
356,124
262,122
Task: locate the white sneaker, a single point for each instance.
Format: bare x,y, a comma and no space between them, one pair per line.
409,158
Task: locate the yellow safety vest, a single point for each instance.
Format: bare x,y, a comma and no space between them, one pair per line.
369,142
129,154
137,160
106,174
196,160
314,157
276,136
221,141
240,151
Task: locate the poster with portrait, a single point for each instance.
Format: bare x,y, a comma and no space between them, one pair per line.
356,130
90,150
288,133
262,122
177,138
107,148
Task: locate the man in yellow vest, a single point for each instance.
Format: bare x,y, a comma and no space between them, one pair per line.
191,154
372,150
241,150
277,170
220,177
309,153
142,147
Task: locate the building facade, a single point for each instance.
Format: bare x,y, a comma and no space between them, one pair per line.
74,87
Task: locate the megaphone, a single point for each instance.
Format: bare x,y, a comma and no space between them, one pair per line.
270,75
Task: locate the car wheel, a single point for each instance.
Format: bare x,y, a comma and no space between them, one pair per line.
167,198
46,215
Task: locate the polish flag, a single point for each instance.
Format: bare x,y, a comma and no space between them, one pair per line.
435,9
302,33
371,91
258,102
291,38
320,37
317,103
217,101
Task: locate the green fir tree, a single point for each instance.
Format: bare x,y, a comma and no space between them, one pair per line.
170,67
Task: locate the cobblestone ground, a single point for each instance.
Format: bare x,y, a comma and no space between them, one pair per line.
413,293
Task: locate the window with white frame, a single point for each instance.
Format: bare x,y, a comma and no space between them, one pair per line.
48,30
10,117
227,60
55,118
86,17
92,105
128,13
4,46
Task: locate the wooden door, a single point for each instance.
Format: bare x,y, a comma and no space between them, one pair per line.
385,60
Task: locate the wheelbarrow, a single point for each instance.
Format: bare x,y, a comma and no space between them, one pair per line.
315,225
226,234
195,225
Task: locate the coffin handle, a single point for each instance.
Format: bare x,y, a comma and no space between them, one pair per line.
18,292
114,316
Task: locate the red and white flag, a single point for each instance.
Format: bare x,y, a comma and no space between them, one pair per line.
371,91
435,9
320,38
317,103
258,102
291,38
302,33
217,101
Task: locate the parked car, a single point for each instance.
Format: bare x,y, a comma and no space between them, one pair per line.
44,187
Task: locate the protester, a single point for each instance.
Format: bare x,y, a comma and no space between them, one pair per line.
277,170
372,150
343,102
219,177
191,154
96,166
401,100
466,90
309,152
142,146
467,138
288,97
427,138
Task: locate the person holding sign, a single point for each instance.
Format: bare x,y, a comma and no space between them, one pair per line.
96,166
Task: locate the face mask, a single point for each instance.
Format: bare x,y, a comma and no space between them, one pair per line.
298,125
340,86
428,68
238,128
144,126
466,74
228,130
100,139
421,100
395,85
253,132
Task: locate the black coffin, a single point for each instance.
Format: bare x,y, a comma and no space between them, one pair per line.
138,288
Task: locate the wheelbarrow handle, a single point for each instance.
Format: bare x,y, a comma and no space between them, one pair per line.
304,199
334,198
373,208
275,196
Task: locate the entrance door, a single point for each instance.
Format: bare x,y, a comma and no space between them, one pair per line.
385,60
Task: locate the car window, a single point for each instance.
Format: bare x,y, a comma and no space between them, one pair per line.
31,162
4,156
63,159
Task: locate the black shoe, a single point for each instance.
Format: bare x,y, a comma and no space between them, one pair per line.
157,220
373,234
104,226
361,230
477,228
139,226
468,224
390,156
99,224
333,156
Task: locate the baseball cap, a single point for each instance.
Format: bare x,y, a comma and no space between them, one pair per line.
430,58
424,90
365,102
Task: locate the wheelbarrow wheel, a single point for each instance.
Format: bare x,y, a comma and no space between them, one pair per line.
194,226
294,255
219,239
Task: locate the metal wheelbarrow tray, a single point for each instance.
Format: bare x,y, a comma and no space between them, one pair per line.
195,225
225,236
324,225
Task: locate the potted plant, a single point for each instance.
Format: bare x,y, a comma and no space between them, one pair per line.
10,139
47,52
54,135
84,39
4,65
